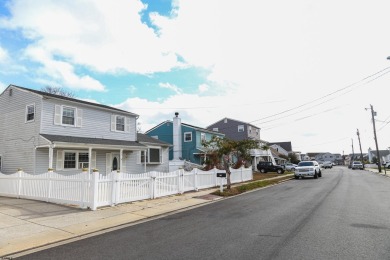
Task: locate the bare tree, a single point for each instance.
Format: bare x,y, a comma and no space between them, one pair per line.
58,91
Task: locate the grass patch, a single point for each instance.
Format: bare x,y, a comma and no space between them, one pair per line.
262,176
249,186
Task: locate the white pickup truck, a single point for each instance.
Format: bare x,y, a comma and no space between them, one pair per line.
327,164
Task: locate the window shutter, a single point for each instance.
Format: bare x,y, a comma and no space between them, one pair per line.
57,115
108,163
60,160
79,118
161,154
113,123
127,124
93,160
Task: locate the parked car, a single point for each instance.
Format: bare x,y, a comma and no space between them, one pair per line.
308,168
387,165
357,165
264,167
327,164
289,166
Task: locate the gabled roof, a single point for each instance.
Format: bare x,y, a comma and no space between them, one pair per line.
49,95
239,121
381,152
187,125
285,145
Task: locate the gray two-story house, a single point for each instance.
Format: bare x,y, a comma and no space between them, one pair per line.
41,131
238,130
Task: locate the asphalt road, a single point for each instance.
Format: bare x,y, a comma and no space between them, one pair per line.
343,215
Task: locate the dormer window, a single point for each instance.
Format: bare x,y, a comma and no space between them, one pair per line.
30,113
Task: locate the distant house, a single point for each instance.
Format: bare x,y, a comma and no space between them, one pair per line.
285,145
277,156
383,154
41,131
186,139
279,149
238,130
330,157
235,130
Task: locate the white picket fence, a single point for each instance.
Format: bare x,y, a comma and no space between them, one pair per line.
96,190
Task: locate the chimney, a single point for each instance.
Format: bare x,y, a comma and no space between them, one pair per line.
177,154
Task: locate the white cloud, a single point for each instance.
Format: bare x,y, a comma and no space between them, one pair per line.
203,88
104,36
3,55
2,87
172,87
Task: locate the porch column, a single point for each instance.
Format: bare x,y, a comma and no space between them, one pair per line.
121,159
89,159
145,160
50,157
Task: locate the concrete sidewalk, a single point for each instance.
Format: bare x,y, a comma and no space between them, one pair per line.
27,224
384,173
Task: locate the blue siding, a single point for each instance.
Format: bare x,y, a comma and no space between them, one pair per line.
164,133
190,150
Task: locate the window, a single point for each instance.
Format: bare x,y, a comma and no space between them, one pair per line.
83,160
73,159
225,121
30,111
70,160
120,123
250,129
68,116
202,137
152,155
241,128
215,129
187,137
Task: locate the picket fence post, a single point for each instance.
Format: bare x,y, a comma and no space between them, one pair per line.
94,190
153,185
19,182
49,173
84,174
196,179
215,176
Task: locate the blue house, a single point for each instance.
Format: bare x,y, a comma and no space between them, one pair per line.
186,139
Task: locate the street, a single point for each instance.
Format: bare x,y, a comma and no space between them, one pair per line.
343,215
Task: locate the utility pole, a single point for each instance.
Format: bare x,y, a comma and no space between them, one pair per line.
373,114
360,145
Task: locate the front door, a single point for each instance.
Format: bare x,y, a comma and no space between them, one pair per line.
115,162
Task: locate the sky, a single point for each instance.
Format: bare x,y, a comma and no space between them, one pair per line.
303,71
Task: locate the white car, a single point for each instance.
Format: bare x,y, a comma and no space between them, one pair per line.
308,169
290,166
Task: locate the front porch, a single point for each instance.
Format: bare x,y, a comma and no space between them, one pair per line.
75,154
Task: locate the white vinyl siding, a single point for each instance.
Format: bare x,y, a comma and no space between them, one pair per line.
93,122
30,113
187,137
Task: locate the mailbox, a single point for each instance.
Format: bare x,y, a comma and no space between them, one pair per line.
221,174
